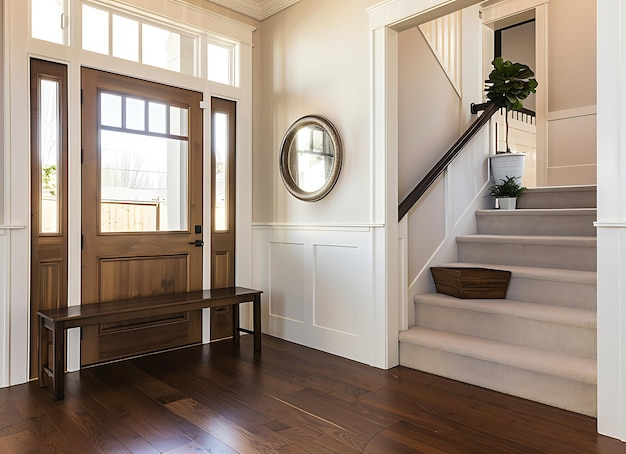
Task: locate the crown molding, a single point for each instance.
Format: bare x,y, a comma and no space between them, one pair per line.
257,9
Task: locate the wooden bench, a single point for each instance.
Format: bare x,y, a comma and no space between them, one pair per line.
54,322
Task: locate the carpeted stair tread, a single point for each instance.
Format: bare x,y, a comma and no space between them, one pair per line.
540,274
539,312
539,240
550,211
532,359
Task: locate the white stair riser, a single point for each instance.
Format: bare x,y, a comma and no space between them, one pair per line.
536,224
557,198
570,340
564,294
536,255
549,389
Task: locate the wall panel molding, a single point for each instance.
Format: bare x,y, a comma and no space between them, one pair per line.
336,294
318,287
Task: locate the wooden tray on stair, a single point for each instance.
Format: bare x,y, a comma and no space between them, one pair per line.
471,282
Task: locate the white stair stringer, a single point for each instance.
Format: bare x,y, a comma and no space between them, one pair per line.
555,379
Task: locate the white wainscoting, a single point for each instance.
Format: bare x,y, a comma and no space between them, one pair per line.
572,146
4,309
5,303
318,286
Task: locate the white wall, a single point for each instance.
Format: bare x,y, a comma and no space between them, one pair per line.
611,225
428,110
314,62
571,157
4,315
315,261
2,110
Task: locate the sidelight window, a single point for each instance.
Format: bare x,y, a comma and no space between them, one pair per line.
221,147
49,155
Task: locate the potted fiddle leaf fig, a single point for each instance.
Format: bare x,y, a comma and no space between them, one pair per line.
506,193
509,84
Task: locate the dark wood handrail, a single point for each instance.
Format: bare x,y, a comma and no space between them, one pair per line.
475,108
445,161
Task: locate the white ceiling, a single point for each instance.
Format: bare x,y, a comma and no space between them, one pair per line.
258,9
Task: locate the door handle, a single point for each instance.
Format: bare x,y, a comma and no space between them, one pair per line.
197,243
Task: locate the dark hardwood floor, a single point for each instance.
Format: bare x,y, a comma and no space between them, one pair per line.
220,398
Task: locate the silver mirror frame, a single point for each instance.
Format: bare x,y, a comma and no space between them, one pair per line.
285,147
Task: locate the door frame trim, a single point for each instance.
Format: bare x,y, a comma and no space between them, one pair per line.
17,48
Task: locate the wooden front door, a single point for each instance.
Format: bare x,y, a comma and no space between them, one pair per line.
48,98
141,208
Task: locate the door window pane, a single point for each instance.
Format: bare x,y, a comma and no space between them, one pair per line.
157,114
143,178
49,155
143,183
178,121
220,134
46,20
111,110
95,30
135,114
125,38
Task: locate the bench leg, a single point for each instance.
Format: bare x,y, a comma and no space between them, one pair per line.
56,372
257,321
43,353
58,362
235,309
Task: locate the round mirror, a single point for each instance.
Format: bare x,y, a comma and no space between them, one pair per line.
310,158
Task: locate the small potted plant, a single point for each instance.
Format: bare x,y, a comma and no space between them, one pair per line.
508,85
506,193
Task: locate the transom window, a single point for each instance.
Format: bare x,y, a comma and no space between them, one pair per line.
48,20
123,34
111,33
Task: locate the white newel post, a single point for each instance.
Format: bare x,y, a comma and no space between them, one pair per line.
611,224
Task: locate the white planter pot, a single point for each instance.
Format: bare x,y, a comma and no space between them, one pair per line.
505,165
506,203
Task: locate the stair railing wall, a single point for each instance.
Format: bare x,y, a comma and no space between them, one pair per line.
449,195
443,35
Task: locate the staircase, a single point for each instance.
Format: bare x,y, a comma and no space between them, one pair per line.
540,342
